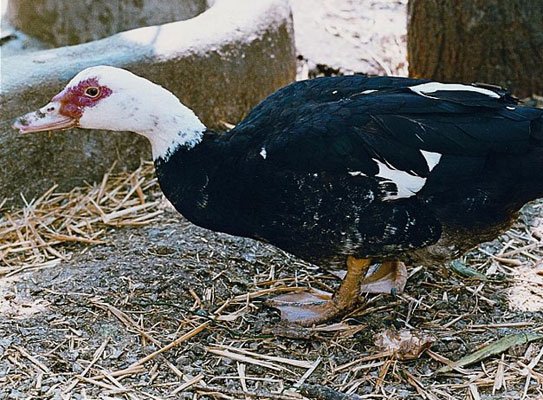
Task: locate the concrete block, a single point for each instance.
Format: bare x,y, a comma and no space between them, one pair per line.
62,22
220,63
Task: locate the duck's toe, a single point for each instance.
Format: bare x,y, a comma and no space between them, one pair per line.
306,308
317,307
390,277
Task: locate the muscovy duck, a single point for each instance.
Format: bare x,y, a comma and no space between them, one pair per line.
338,171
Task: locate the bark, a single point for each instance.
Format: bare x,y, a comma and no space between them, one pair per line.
492,41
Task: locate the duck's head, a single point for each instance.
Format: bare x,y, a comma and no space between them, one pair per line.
115,99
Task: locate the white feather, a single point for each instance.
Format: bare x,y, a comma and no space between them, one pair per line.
357,173
138,105
431,87
432,159
407,185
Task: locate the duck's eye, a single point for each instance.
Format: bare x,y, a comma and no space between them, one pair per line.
92,91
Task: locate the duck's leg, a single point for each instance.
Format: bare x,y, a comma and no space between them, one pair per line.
390,277
308,309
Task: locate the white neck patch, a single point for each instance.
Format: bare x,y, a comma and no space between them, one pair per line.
183,128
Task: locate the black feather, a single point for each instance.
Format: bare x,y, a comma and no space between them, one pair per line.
316,193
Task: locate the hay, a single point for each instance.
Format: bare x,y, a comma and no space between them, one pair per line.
36,236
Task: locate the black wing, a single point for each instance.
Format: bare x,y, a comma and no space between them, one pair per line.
332,166
347,123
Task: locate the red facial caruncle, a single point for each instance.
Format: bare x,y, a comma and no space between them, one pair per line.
74,99
65,109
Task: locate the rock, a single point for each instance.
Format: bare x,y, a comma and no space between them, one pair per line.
220,63
61,22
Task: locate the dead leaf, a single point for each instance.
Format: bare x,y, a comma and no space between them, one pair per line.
404,344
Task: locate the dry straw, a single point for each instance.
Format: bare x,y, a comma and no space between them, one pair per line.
35,236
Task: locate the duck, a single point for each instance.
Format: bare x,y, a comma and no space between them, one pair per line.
367,174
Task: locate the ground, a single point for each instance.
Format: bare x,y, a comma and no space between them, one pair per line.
106,292
73,326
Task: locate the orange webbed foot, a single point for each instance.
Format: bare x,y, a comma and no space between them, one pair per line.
317,307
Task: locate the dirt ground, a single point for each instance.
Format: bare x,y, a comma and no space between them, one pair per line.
70,328
169,310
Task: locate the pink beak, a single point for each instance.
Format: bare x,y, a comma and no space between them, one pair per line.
46,118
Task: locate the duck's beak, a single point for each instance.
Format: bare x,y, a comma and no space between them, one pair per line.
47,118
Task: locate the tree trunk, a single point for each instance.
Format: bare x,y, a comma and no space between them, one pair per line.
492,41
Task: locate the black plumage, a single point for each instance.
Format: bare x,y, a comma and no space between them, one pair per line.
301,171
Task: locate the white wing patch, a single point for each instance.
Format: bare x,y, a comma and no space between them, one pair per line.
407,185
369,91
357,173
431,87
263,153
432,159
